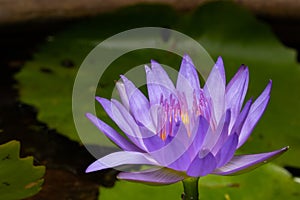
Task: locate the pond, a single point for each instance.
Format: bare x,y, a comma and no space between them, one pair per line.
39,64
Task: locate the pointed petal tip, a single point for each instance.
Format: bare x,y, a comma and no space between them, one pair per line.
220,60
88,170
155,65
91,168
244,163
187,58
251,100
186,55
148,71
89,115
268,88
244,68
270,82
285,148
248,104
102,100
120,83
153,62
95,166
99,99
91,118
147,68
228,113
124,79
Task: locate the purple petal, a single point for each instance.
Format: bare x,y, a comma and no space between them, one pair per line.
202,166
120,115
112,134
215,88
121,158
236,91
139,104
123,94
158,83
152,143
212,141
160,176
183,162
244,163
255,113
224,134
239,122
127,124
188,80
106,104
227,151
174,149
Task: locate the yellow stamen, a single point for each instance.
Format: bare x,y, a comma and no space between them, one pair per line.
186,121
163,135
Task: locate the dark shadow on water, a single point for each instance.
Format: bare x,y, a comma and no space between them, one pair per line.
65,160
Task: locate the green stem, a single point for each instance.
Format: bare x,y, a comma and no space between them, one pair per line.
190,186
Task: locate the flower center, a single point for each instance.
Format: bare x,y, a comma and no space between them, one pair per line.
175,110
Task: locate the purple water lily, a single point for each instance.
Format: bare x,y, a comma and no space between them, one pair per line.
183,131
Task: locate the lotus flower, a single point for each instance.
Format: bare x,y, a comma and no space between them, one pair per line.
183,131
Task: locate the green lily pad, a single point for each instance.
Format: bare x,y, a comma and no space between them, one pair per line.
237,42
19,179
267,182
221,27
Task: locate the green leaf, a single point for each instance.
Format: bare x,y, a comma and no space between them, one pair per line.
240,39
267,182
221,27
18,177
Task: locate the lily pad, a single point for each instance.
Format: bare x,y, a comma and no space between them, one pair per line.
18,177
221,27
267,182
267,58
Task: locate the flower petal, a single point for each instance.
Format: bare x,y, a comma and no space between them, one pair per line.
153,142
202,166
188,80
127,124
120,115
138,104
236,91
158,176
227,151
255,113
244,163
215,88
189,73
212,139
174,149
239,122
121,158
123,95
183,162
158,83
112,134
222,137
106,104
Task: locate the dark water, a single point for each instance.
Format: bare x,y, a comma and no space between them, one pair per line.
65,160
